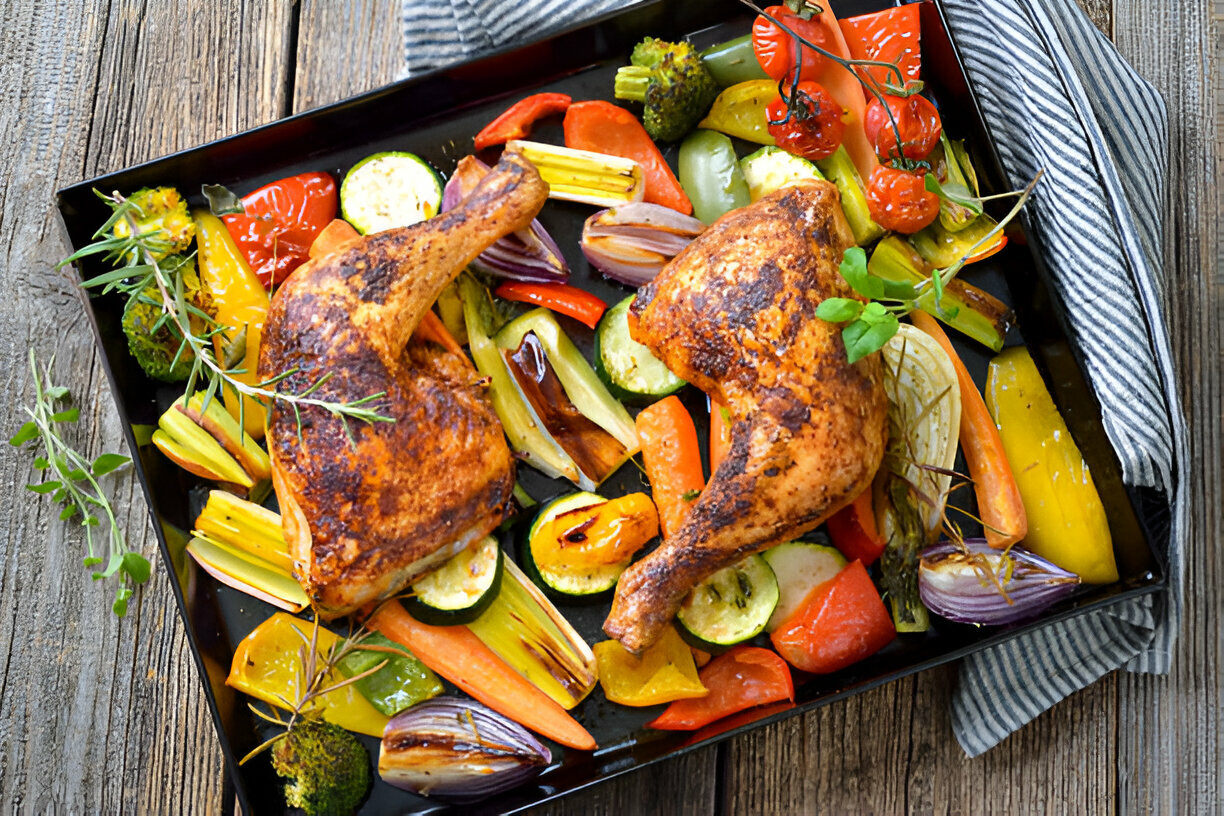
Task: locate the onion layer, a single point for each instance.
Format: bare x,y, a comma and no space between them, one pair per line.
989,587
632,242
458,750
527,255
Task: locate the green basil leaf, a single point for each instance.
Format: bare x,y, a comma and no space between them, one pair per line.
71,415
862,338
839,310
45,487
854,269
136,566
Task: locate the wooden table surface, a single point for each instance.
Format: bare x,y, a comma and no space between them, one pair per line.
102,716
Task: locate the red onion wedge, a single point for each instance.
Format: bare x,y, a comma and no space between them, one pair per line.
527,255
632,242
981,585
458,750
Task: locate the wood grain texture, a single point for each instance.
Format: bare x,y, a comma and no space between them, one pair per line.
99,715
104,716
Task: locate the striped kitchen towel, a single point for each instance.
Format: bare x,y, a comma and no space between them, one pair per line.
1055,95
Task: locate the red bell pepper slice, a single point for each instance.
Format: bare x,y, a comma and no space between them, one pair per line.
602,127
516,122
892,35
281,221
567,300
840,622
744,677
854,532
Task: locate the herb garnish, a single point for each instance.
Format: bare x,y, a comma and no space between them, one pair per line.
76,487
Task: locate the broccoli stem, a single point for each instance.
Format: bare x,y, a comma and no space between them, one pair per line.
632,82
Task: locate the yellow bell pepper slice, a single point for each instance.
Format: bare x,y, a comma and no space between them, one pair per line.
1066,520
740,111
239,300
268,666
664,672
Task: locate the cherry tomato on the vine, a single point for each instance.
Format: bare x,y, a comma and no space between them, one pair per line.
917,120
775,49
899,201
812,127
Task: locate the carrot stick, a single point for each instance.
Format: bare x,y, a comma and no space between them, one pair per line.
605,128
844,86
998,497
673,460
433,329
720,435
459,656
335,235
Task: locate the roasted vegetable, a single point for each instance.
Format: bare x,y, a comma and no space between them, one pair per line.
268,666
402,682
207,441
458,750
673,84
740,111
911,490
163,211
1066,520
585,176
744,677
840,170
977,584
241,545
524,629
153,339
662,673
327,771
733,61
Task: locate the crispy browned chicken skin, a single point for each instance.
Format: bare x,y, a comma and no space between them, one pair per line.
366,516
735,314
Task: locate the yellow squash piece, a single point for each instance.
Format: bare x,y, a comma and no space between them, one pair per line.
597,535
267,665
1067,522
663,673
740,111
239,303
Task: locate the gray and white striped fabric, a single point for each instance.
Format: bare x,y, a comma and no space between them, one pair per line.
1056,95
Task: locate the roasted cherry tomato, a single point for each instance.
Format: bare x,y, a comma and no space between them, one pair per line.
917,120
900,201
281,221
775,49
812,127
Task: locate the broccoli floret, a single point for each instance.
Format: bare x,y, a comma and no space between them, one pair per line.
160,209
326,768
153,339
672,82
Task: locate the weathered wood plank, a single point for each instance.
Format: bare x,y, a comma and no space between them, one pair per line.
99,715
345,48
1173,761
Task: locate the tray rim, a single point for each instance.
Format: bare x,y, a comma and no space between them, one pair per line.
1156,582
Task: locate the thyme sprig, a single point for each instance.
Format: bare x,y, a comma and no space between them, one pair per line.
314,677
138,268
76,486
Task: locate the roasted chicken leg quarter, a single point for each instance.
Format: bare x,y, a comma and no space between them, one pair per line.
735,314
368,508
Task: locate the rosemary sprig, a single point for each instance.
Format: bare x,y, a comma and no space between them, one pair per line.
315,674
136,256
77,488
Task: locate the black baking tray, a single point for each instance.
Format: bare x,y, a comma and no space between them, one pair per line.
435,116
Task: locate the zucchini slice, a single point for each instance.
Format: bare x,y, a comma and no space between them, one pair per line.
390,190
627,367
772,168
729,607
461,589
799,566
591,584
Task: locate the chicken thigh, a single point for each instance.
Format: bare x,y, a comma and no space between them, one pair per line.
368,508
735,315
